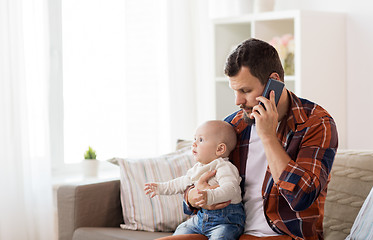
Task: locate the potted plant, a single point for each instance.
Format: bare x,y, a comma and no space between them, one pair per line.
90,154
90,164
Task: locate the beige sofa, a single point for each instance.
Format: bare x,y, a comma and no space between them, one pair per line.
93,211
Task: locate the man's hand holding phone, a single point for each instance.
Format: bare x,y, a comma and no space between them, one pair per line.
266,117
265,113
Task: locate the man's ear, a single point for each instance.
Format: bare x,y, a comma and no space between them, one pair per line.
275,76
221,149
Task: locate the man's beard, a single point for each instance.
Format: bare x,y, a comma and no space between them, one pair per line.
248,120
246,117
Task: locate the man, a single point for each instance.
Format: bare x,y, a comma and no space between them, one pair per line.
284,158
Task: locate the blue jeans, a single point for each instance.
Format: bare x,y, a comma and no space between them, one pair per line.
226,223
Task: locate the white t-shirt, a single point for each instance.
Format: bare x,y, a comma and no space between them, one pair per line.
256,166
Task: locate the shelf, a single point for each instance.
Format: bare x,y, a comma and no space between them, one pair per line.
226,79
258,16
227,37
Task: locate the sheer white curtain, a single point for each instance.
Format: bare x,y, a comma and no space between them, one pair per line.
131,77
190,65
26,195
114,76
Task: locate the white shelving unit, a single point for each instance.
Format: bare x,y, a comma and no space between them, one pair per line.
319,57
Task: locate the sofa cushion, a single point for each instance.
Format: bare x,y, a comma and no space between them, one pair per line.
351,181
161,213
115,234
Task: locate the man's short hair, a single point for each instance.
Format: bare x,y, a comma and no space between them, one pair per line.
260,57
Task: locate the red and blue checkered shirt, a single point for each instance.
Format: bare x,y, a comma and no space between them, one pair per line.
295,205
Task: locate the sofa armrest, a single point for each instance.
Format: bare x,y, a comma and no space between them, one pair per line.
88,205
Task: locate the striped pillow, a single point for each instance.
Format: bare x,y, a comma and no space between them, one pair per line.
161,213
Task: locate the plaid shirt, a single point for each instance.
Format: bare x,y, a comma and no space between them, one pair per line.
295,205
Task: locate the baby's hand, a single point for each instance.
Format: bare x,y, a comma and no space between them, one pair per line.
151,188
201,199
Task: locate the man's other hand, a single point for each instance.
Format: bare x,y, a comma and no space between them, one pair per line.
202,184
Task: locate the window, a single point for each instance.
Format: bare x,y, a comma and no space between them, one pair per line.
115,89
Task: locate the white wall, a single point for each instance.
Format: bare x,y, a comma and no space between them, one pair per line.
359,63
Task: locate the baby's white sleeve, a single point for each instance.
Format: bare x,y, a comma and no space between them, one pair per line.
229,185
175,186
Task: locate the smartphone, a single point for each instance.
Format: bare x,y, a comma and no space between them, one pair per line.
272,84
275,85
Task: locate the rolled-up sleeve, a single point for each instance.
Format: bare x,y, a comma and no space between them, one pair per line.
306,176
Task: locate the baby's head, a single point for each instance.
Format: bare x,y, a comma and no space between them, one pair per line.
213,139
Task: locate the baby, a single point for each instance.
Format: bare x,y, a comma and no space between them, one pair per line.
213,142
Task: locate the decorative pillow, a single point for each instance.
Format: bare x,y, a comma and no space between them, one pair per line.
181,143
351,181
161,213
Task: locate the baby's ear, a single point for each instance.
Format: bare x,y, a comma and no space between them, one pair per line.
221,149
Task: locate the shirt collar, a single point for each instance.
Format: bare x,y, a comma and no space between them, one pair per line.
296,114
238,122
